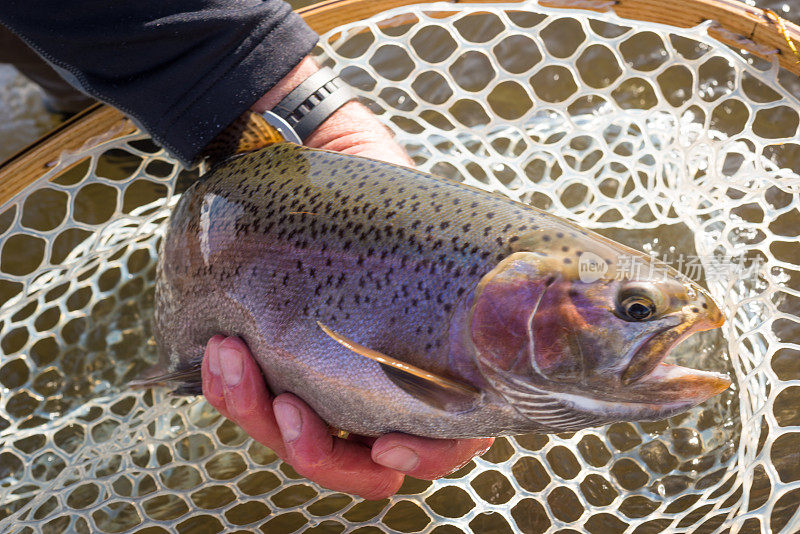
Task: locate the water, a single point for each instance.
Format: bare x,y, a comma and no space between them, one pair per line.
23,117
663,182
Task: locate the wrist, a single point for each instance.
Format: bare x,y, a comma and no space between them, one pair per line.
296,76
351,124
351,129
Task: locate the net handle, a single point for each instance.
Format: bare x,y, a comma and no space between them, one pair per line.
757,30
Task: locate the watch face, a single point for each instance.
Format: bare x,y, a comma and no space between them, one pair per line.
282,126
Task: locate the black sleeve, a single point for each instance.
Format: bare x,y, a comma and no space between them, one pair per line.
183,69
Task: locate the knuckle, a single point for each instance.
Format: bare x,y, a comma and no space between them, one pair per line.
214,398
242,406
309,462
309,469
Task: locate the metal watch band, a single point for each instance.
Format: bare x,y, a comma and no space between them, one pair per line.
310,103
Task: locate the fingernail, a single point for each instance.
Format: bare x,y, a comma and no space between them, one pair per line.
213,358
400,458
231,364
289,421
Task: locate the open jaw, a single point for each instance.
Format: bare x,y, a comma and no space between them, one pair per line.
654,389
648,371
666,391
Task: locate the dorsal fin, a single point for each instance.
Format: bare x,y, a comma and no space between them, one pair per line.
247,133
438,391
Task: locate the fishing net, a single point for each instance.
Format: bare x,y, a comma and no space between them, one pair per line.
657,137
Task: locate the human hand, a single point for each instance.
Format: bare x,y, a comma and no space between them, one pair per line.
352,129
368,467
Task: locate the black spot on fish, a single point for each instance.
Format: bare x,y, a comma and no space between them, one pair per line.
567,261
705,306
545,238
695,310
559,235
564,248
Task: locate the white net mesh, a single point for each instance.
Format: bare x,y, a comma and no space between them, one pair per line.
657,137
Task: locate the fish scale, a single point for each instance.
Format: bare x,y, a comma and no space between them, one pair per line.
348,250
276,243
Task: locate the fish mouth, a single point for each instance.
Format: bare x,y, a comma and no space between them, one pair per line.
648,377
650,389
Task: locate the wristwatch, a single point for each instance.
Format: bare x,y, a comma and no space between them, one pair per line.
295,117
309,104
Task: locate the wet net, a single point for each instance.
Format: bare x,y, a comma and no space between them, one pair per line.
657,137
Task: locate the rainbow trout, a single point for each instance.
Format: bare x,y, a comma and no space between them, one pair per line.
393,300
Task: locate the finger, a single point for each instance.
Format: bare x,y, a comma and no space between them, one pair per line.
212,376
363,440
247,399
424,457
337,464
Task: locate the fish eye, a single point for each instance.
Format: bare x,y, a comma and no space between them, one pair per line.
638,308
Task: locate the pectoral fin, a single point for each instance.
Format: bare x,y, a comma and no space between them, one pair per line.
436,390
187,379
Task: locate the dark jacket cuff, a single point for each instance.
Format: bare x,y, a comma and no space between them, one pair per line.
236,89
